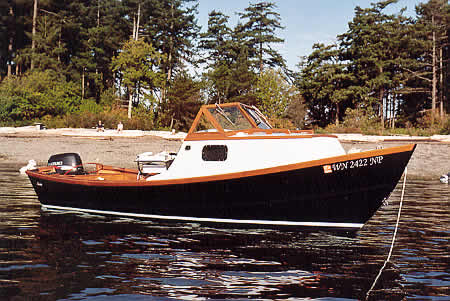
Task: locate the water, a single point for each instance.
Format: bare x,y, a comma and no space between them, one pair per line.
54,255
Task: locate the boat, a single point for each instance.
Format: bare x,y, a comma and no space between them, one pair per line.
233,167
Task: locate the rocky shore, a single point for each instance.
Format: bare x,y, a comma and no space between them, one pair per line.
430,159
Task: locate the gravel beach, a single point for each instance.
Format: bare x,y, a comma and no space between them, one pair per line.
430,159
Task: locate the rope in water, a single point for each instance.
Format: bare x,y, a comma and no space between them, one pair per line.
393,236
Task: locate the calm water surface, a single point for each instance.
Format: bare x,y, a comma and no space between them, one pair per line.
54,255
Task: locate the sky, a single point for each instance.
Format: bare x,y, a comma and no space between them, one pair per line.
306,22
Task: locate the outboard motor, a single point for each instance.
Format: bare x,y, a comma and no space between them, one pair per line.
67,163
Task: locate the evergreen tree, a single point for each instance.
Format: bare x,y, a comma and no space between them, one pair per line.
242,80
48,44
261,22
101,30
184,101
369,45
172,28
433,27
13,28
325,83
217,43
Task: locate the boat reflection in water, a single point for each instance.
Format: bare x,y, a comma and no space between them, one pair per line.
233,167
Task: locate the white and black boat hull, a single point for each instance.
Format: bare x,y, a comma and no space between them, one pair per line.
340,193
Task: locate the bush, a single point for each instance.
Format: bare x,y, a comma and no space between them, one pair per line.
36,95
89,105
445,128
363,120
281,123
142,119
357,121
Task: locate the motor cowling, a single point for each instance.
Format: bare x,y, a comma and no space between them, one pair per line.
67,163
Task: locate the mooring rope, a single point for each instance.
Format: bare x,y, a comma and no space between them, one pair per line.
393,236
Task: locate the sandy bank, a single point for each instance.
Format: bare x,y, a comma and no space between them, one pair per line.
33,131
18,145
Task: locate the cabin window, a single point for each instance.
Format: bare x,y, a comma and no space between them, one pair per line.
214,153
260,122
230,118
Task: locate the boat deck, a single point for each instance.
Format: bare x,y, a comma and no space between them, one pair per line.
102,173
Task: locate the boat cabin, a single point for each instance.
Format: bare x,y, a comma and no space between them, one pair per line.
234,137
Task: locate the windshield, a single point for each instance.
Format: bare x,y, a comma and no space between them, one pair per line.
230,118
259,119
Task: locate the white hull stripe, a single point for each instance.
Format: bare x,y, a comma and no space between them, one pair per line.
213,220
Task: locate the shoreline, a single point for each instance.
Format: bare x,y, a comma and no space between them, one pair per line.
430,160
34,131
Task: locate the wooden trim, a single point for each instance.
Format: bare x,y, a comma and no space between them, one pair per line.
78,180
258,112
228,136
196,121
213,120
224,105
222,134
249,118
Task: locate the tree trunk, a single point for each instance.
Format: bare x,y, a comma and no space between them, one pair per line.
169,59
10,48
98,13
381,100
337,114
134,26
130,103
434,82
261,66
59,43
137,23
441,85
394,102
10,45
82,85
33,34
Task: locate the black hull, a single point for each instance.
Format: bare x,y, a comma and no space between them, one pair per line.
332,195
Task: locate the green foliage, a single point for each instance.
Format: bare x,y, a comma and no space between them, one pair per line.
184,101
142,119
381,66
49,47
362,120
273,93
7,104
258,33
89,106
38,94
137,64
233,56
172,29
296,111
108,98
326,85
445,128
